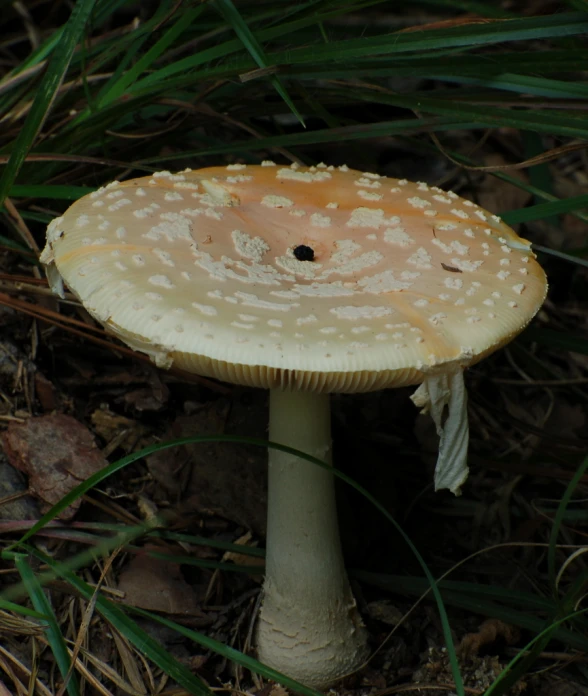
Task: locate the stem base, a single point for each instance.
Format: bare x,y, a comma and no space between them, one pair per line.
309,626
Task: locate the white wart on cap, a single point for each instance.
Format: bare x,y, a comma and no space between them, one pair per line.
316,278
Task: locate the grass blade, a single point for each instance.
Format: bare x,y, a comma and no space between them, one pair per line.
545,210
526,84
64,193
527,656
559,340
127,627
125,461
492,32
240,27
479,599
543,121
484,9
54,636
102,548
327,135
558,521
446,67
570,258
116,90
230,653
25,611
46,92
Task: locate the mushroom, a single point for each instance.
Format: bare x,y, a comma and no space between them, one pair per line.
304,281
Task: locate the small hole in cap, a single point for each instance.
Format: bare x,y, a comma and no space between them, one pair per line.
304,253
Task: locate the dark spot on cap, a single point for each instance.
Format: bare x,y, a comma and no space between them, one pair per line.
304,253
451,269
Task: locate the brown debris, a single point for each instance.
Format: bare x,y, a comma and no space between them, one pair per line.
15,502
117,430
157,585
384,610
556,685
244,559
153,397
221,478
57,453
278,690
46,393
478,673
499,195
489,632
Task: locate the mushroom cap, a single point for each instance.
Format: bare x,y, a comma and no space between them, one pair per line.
317,278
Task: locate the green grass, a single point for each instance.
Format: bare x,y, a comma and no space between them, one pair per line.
195,84
548,617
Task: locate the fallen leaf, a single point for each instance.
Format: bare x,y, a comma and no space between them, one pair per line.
57,453
157,585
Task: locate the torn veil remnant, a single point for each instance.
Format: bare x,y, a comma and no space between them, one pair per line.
305,281
444,396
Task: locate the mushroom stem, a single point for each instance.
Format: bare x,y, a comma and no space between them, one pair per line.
309,627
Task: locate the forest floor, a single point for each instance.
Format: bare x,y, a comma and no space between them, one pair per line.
72,402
